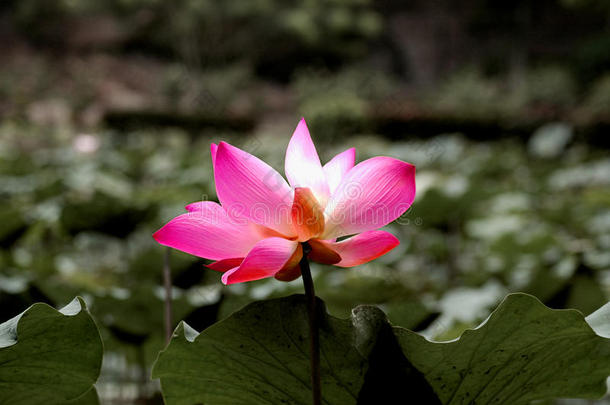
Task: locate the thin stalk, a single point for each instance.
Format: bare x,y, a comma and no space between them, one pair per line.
167,283
314,335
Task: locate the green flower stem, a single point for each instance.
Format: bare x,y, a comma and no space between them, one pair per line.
314,335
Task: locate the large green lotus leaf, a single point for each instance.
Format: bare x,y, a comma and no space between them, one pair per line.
49,356
260,355
524,351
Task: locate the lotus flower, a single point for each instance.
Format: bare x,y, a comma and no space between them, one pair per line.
257,229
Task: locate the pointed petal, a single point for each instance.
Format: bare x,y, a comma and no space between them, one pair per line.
207,231
372,194
250,188
307,215
363,248
302,165
321,252
225,264
265,259
336,168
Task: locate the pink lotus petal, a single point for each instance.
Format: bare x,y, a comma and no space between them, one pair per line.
256,229
225,264
213,150
207,231
363,248
250,188
302,164
265,259
372,194
336,168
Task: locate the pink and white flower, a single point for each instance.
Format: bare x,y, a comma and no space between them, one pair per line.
257,229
